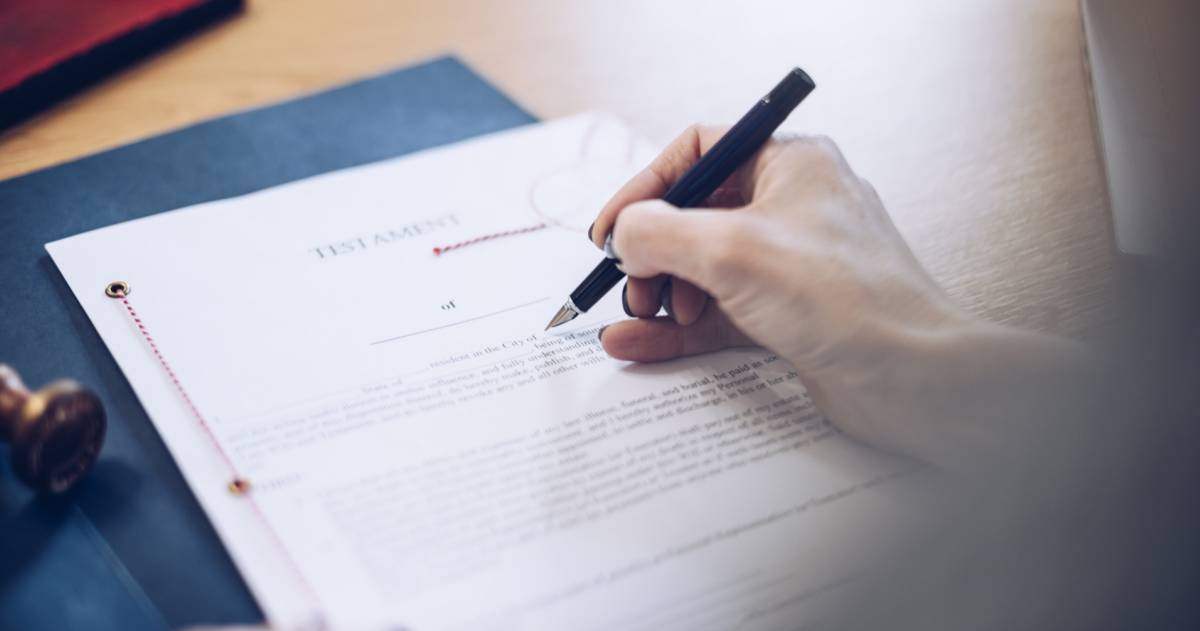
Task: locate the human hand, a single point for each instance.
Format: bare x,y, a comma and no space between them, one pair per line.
810,265
803,260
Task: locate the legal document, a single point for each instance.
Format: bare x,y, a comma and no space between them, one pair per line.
351,373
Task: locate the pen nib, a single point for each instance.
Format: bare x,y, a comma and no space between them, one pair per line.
567,313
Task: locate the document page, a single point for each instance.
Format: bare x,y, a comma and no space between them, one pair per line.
352,375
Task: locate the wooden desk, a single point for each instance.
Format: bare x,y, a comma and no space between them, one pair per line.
971,117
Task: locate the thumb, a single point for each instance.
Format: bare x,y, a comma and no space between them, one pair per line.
653,237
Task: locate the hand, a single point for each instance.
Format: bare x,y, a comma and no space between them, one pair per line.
809,264
805,261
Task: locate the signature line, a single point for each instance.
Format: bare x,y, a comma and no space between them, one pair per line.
446,326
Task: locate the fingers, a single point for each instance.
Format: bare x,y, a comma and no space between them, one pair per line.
660,339
654,238
643,296
653,181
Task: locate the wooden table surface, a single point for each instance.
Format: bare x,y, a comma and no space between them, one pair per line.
971,117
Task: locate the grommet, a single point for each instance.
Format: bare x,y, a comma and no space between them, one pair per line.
239,486
117,289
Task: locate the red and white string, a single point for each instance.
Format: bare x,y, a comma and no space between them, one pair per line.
487,237
237,484
546,219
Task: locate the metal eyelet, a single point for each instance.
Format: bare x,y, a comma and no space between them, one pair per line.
117,289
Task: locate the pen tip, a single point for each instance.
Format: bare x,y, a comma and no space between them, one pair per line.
565,314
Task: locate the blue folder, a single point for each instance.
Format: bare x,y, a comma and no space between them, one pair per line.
130,548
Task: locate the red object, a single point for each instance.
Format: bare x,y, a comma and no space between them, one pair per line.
237,484
50,48
439,250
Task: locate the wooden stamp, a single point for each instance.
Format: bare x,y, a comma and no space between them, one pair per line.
55,433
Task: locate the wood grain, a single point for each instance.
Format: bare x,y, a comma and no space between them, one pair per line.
971,117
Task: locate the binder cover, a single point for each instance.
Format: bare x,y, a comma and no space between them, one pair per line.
153,537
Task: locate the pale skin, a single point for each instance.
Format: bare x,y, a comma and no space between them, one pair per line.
796,253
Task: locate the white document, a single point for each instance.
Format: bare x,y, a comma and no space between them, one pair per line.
419,453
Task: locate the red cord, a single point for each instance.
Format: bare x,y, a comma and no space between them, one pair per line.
175,380
237,484
547,221
487,237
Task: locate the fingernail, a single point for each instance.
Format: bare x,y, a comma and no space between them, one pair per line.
625,300
600,333
664,296
590,228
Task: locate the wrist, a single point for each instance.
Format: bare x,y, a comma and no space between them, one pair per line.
969,393
889,353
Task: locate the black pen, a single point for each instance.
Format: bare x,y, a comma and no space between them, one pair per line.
742,140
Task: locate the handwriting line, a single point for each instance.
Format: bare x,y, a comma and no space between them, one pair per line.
452,324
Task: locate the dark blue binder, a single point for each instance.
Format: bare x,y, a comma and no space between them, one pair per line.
130,548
